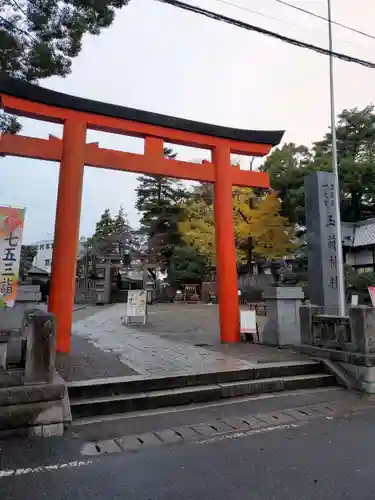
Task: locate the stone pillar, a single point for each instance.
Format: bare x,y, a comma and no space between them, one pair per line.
321,240
4,337
306,314
283,324
40,348
362,329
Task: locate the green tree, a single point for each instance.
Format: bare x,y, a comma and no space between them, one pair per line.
28,253
203,191
39,38
105,226
120,222
356,154
187,265
113,236
289,165
160,204
358,283
155,194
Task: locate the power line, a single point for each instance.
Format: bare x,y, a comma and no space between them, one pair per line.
325,19
277,19
262,31
241,7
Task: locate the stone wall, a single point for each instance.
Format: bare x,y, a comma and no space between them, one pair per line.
33,397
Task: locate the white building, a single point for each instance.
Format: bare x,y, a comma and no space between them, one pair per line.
43,259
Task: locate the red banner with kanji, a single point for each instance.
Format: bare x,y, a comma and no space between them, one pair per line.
11,229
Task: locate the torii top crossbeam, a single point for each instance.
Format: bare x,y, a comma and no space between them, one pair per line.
77,115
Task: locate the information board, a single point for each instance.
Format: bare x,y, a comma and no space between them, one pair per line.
248,322
136,307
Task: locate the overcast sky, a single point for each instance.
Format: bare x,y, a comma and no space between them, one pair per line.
158,58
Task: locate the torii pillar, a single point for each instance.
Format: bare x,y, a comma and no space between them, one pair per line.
226,265
65,246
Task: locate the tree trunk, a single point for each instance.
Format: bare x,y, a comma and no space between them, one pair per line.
356,206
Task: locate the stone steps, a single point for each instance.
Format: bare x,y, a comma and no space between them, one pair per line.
126,394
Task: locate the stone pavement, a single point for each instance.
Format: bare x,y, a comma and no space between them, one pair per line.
86,361
103,347
198,325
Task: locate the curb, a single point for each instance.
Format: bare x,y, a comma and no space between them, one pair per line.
239,426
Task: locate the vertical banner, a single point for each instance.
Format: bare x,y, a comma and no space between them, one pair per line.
371,291
11,228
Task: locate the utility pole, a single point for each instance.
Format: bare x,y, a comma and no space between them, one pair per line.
339,252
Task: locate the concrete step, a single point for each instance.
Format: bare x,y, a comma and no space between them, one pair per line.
128,402
94,388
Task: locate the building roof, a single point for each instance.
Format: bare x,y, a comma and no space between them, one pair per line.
37,270
358,234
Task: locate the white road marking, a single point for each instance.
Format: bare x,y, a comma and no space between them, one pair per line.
43,468
251,432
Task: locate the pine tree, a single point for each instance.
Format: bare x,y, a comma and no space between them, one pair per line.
105,226
39,38
160,204
28,253
155,194
120,222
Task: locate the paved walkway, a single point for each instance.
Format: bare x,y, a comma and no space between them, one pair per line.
147,353
103,347
198,325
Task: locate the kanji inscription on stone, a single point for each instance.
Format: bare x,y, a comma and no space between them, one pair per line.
322,240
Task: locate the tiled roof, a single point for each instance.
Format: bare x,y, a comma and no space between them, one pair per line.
358,234
37,270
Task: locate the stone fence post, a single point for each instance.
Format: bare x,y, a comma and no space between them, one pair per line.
306,314
40,334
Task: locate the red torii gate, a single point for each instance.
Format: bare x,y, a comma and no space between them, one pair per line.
77,115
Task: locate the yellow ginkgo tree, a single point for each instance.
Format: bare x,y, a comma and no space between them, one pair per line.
259,227
198,229
258,223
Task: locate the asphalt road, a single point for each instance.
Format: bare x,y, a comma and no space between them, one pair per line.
328,459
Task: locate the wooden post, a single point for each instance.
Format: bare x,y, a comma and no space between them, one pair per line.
225,247
68,214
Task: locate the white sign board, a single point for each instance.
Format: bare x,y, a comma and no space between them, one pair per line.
354,300
248,322
136,307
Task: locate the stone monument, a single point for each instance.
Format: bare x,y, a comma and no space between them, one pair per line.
321,241
345,343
